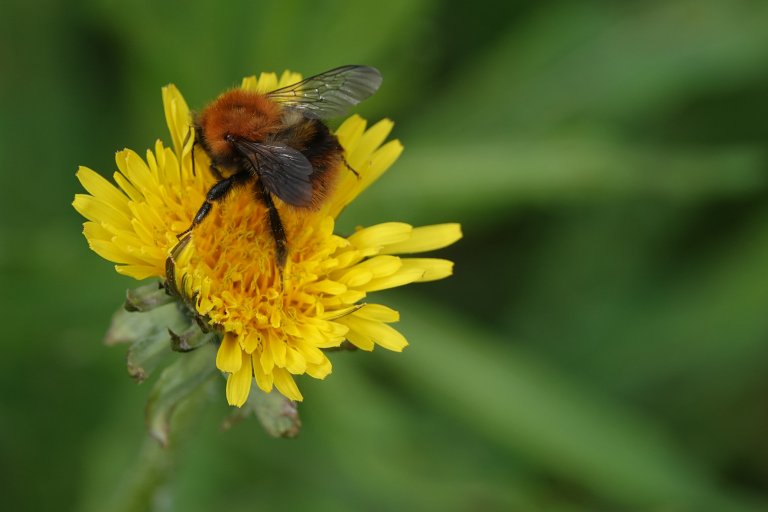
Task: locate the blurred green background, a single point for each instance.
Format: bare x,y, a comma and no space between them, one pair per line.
602,347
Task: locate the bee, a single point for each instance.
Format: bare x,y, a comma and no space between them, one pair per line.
278,143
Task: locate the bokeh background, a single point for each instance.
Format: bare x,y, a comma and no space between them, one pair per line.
602,346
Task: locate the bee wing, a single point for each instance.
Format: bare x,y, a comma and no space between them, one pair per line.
329,94
284,170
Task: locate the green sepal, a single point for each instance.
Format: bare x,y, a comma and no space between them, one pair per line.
147,333
129,327
146,354
177,382
190,339
277,414
146,298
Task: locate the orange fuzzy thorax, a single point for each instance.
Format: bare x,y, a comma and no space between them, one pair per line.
243,114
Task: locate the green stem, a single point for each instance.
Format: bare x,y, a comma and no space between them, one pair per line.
147,484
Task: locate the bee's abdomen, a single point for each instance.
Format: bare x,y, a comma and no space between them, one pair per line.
325,154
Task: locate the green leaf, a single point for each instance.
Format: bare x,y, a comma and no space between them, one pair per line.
465,179
571,431
583,60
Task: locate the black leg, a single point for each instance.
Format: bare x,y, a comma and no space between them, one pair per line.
190,131
216,193
170,266
192,151
349,166
216,172
275,224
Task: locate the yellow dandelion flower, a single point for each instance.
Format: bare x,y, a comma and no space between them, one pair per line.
273,323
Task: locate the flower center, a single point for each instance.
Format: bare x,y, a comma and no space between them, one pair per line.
233,268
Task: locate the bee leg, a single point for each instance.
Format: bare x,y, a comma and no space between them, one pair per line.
216,172
343,159
189,135
275,224
192,151
170,266
216,193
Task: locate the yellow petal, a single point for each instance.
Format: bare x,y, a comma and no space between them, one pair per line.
177,116
250,341
239,383
356,277
288,78
360,340
405,275
378,312
137,171
249,83
350,131
126,187
139,271
266,363
382,160
286,385
277,347
345,299
99,187
96,210
265,83
426,238
380,266
311,335
348,258
381,235
263,380
381,333
311,354
371,140
112,252
95,231
294,361
229,356
321,370
326,286
432,268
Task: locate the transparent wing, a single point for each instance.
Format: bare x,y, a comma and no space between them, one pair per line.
283,170
329,94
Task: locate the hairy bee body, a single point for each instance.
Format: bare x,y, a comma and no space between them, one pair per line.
241,113
278,143
245,115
